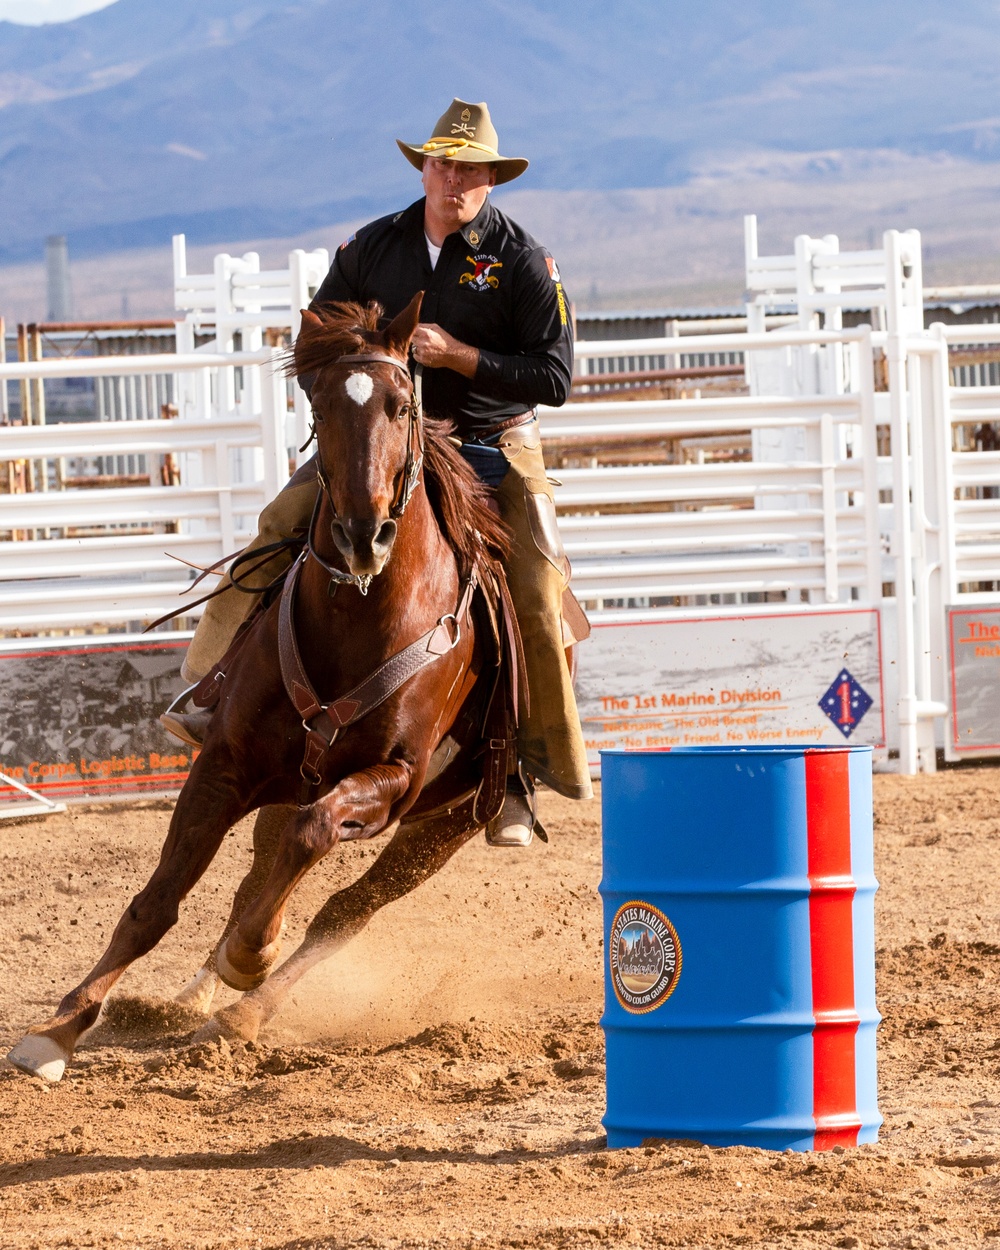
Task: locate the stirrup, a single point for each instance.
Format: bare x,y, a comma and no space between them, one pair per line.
182,698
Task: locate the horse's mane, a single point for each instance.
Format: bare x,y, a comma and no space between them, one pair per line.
346,329
461,501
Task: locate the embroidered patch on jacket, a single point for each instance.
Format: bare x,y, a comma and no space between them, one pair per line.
553,269
482,277
346,241
563,310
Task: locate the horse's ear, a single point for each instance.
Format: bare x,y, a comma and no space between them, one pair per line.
309,320
400,330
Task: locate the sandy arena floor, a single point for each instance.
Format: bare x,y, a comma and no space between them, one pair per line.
440,1083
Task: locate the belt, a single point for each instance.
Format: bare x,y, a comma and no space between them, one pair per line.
501,427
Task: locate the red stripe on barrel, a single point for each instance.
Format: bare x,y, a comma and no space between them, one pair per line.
831,935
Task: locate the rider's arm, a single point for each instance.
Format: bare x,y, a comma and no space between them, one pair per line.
542,372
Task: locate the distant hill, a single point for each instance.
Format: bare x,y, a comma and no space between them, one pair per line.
253,118
665,247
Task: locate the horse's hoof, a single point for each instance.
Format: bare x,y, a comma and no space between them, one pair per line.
199,992
39,1055
210,1031
239,1022
260,965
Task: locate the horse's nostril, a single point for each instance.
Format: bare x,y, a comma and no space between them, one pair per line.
386,535
360,537
341,539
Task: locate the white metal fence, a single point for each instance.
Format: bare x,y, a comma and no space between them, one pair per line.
86,558
640,533
823,527
238,298
817,517
724,529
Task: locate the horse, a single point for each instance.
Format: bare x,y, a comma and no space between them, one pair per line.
377,614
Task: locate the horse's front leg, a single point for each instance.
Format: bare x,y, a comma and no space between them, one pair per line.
208,806
199,993
415,854
357,807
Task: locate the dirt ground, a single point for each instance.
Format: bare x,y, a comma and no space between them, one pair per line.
440,1083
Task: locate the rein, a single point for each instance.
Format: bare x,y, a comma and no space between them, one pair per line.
409,479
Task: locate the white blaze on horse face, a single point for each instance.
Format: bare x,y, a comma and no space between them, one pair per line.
360,386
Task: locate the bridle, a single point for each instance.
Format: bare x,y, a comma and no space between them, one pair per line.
412,410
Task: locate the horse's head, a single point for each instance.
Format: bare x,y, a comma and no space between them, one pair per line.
367,426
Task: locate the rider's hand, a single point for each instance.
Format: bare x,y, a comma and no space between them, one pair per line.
435,348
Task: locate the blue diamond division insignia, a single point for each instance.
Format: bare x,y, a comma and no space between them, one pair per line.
846,702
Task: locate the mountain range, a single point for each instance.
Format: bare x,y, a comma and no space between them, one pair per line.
233,119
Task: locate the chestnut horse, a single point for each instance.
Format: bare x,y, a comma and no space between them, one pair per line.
391,484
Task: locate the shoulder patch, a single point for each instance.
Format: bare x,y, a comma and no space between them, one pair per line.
346,241
553,269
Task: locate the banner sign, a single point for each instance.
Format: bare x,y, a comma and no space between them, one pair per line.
79,721
974,676
762,679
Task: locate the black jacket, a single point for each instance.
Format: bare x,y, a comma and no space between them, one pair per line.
493,287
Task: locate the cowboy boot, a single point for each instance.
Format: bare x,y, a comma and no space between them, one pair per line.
515,823
189,727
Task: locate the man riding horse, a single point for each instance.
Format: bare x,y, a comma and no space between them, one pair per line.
495,342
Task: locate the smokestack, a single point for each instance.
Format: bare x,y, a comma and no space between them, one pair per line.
57,276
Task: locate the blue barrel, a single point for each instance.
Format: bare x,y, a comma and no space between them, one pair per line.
739,938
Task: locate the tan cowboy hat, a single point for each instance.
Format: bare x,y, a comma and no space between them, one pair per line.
465,133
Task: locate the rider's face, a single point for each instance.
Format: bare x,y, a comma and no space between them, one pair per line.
456,190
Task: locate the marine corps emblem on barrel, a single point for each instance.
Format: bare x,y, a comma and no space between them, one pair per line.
645,956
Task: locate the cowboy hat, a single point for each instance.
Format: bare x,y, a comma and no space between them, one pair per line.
465,133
